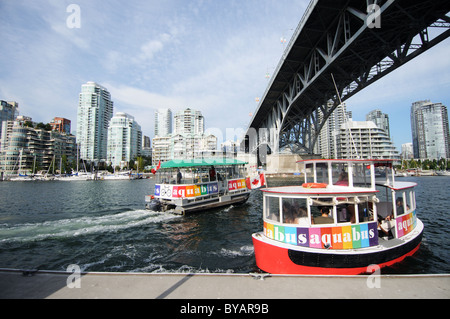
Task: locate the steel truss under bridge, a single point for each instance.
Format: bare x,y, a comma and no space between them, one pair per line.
358,42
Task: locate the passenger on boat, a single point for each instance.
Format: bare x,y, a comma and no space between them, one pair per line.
324,218
212,173
301,217
342,180
179,177
400,209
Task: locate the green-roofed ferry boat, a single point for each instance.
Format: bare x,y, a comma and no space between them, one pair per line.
185,186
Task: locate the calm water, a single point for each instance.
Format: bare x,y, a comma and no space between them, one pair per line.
103,226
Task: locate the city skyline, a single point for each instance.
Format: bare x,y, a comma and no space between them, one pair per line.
211,56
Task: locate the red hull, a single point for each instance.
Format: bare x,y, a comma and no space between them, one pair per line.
276,260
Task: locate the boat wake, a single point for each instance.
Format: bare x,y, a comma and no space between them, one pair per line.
87,225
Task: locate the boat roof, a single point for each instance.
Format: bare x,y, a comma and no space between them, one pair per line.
329,190
202,162
380,161
397,185
335,190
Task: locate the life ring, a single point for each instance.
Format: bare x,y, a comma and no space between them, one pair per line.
315,185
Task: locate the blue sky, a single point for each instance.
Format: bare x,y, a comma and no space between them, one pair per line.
208,55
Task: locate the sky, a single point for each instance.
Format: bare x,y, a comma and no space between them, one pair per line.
208,55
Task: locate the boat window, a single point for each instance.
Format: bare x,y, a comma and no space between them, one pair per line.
412,200
272,208
295,211
365,210
384,207
321,173
309,173
361,175
340,174
345,210
322,211
401,203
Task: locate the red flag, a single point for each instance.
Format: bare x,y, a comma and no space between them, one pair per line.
157,167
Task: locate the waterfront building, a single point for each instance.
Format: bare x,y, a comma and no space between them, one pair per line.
124,140
407,151
364,140
380,119
161,150
61,124
430,130
163,122
95,110
27,149
188,140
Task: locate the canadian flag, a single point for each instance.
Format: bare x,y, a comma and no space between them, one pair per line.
256,181
157,167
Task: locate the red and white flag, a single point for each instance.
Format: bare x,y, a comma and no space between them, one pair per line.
157,167
256,181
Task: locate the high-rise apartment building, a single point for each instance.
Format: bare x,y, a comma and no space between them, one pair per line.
8,112
430,130
327,142
380,119
95,110
163,122
407,151
189,121
124,139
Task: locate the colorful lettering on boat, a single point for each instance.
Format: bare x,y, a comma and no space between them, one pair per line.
236,184
183,191
346,237
406,223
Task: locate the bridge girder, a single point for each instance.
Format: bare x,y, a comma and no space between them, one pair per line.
340,38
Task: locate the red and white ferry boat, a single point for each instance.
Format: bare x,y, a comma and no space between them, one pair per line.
339,222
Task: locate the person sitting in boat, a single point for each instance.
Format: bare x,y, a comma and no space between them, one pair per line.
386,225
399,204
324,218
301,217
212,173
342,180
288,213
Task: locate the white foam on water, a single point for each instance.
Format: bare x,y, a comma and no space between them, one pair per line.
81,226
